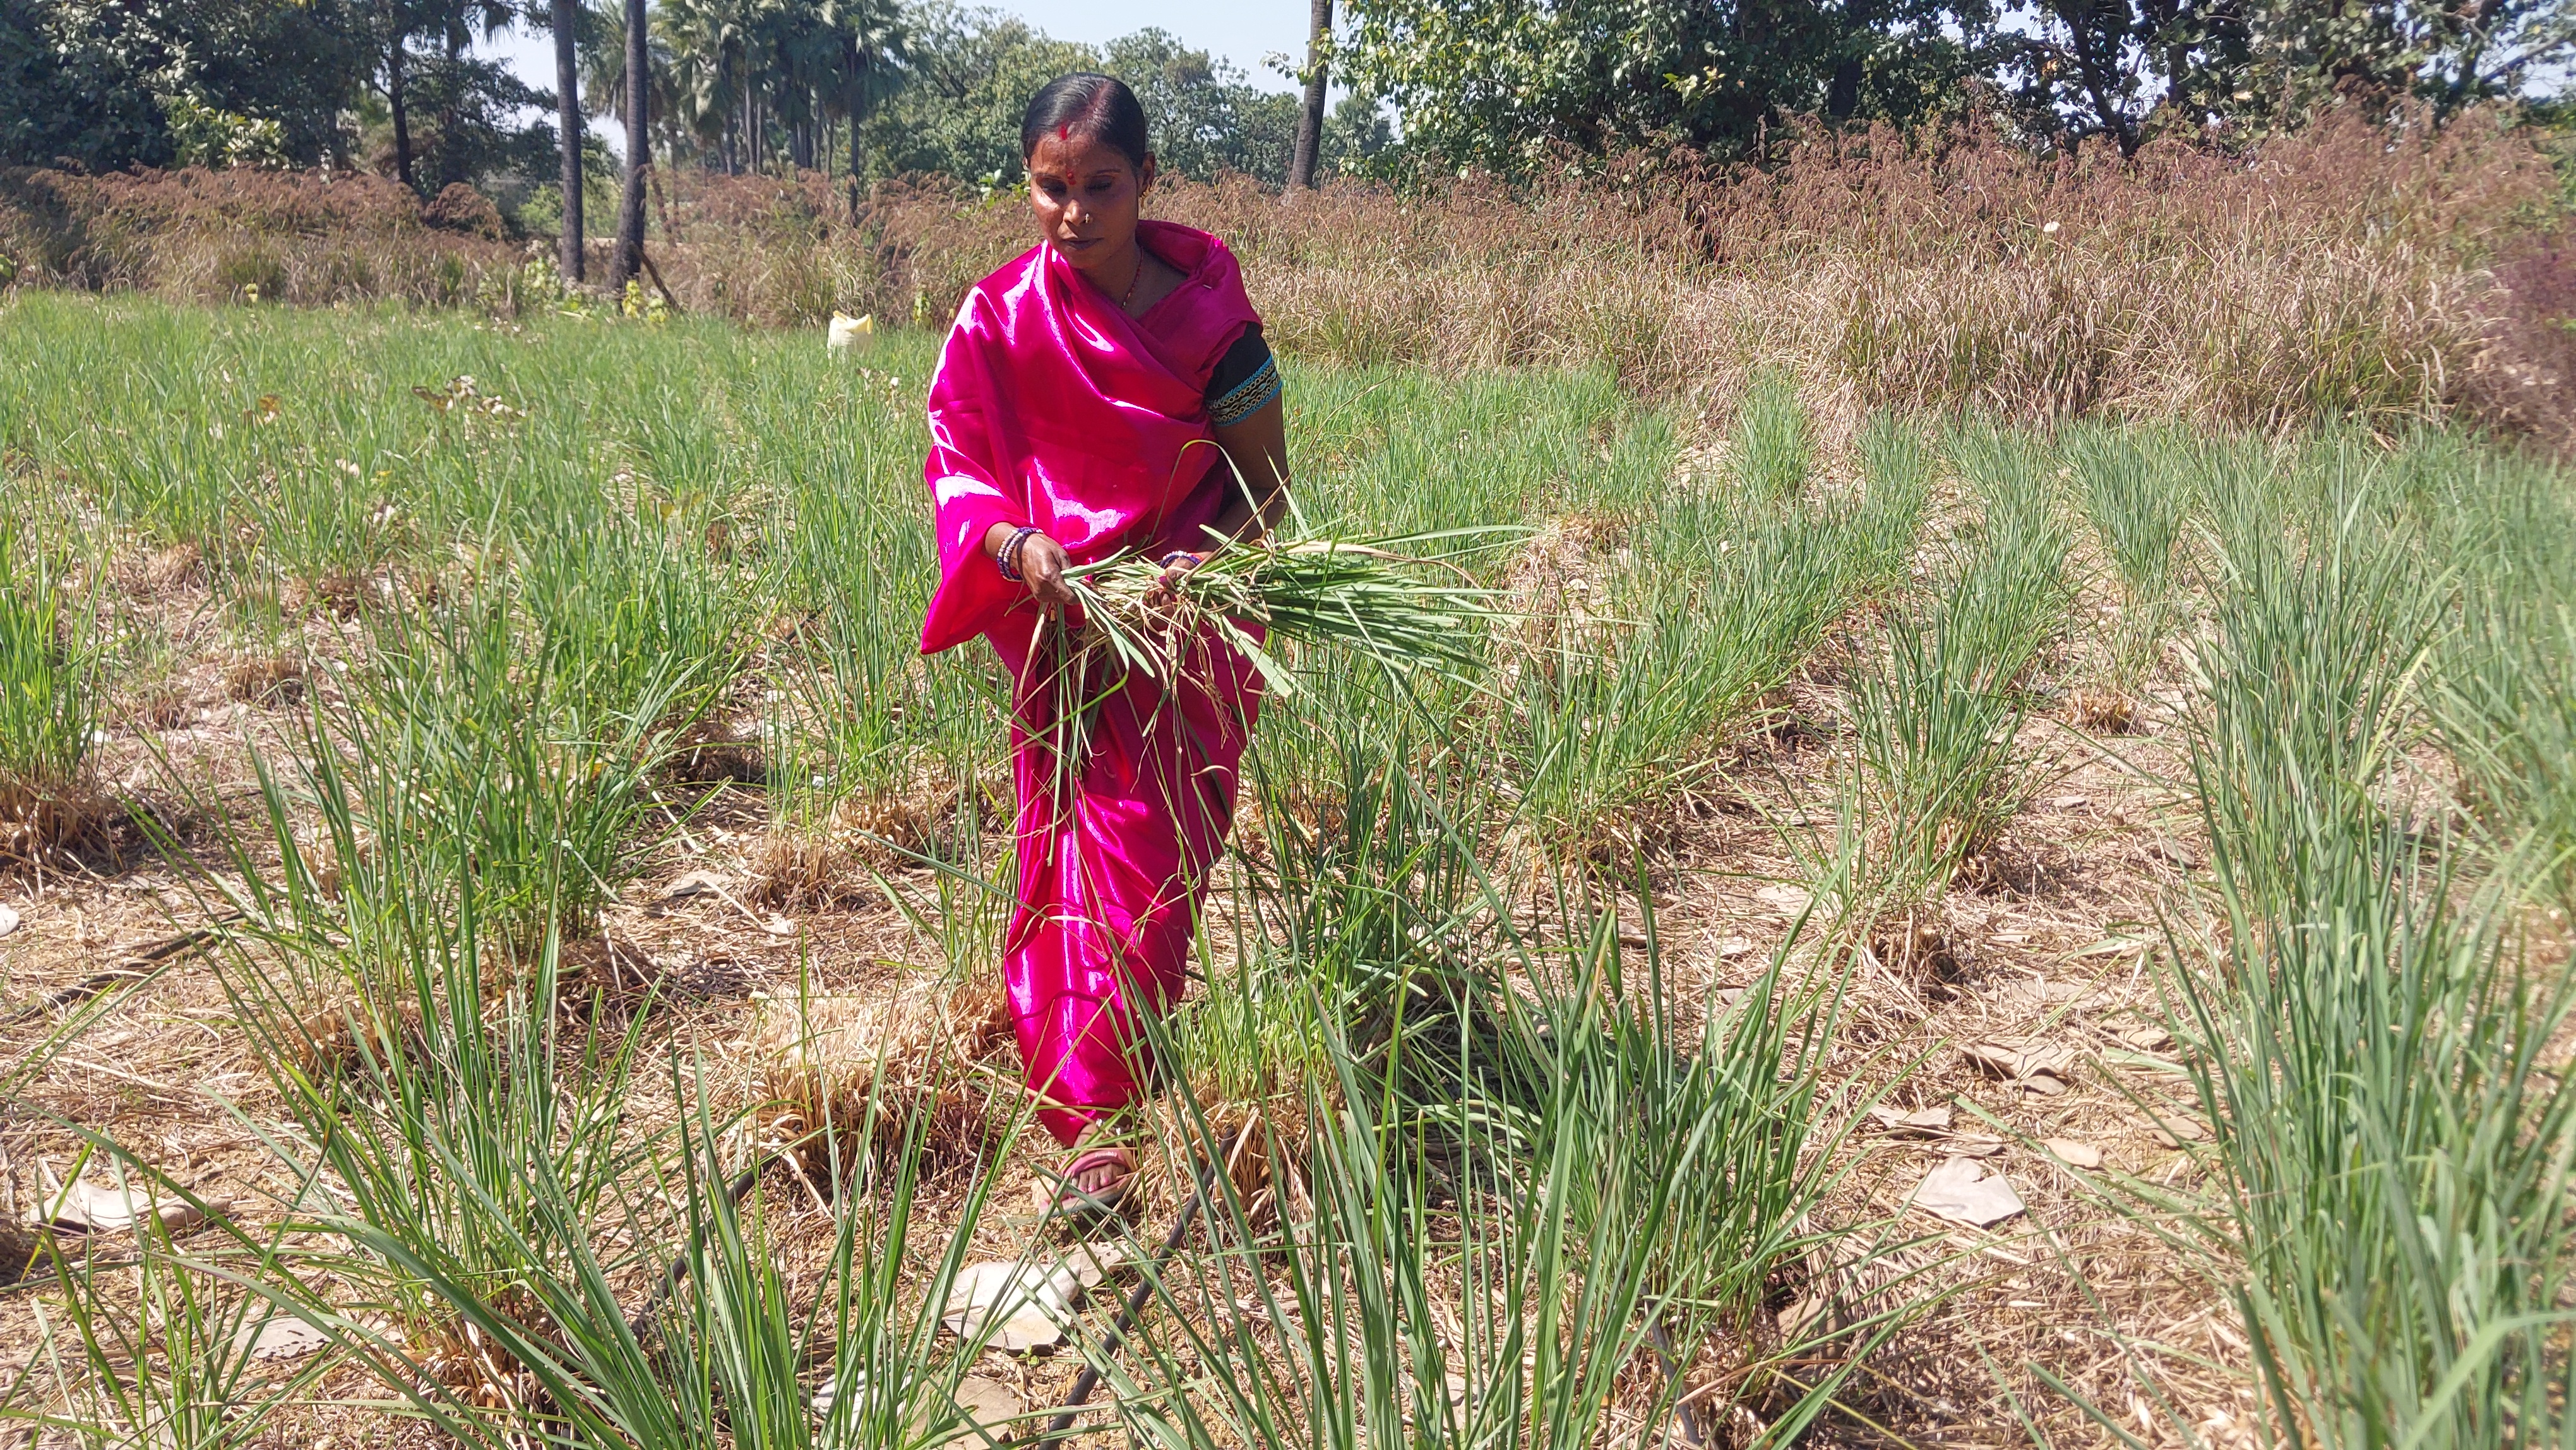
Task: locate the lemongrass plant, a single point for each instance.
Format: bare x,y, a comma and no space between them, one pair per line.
1411,614
50,698
1358,595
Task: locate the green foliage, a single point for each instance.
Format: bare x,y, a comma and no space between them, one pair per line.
1941,770
970,73
182,1371
2128,70
970,76
1205,121
82,80
1724,600
202,135
1496,88
2137,500
2393,1147
51,693
1642,1196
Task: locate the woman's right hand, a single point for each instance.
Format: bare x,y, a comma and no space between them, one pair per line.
1042,563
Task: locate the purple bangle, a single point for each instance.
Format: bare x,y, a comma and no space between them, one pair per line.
1007,558
1180,554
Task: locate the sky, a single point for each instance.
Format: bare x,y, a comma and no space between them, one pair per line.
1239,32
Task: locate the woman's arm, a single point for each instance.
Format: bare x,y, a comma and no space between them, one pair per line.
1256,458
1257,491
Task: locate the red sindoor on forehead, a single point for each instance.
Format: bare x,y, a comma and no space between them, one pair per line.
1064,132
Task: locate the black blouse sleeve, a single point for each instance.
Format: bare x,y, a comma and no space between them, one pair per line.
1245,381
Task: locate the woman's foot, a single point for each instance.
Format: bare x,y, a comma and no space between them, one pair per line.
1096,1181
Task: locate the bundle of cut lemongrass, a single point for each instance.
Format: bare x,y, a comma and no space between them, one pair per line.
1401,602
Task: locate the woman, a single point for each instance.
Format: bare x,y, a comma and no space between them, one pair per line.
1108,390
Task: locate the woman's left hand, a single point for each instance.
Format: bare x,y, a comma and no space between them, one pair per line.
1167,589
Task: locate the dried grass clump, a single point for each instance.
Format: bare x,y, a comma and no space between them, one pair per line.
40,823
271,679
791,869
1917,949
834,863
336,1039
170,570
309,237
859,1073
2381,271
2103,711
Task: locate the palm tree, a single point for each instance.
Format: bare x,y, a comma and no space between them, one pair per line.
872,54
630,211
566,19
1310,120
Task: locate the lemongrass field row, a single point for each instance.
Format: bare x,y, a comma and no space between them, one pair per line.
514,612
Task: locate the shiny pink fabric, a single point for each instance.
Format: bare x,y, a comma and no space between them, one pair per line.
1052,407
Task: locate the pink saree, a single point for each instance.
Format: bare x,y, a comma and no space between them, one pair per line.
1052,407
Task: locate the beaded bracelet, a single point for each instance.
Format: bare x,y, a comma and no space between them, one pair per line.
1007,558
1167,559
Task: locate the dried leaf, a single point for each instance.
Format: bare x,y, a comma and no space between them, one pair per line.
88,1207
2147,1039
1011,1306
8,920
695,883
1799,1315
2013,1061
989,1404
2074,1154
278,1337
1785,899
1092,1263
1960,1191
1912,1120
2175,1131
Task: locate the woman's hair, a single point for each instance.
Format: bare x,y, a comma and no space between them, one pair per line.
1097,106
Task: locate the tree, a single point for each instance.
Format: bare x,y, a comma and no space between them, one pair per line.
565,18
968,76
97,83
2083,63
630,210
873,48
1356,135
2127,70
1310,118
1500,85
1204,118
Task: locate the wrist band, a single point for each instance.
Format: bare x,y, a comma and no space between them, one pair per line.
1007,558
1179,554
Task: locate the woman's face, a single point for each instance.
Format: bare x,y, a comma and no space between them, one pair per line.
1086,194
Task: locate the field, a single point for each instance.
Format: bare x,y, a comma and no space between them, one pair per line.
471,798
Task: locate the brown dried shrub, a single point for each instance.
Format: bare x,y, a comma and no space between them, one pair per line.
268,679
856,1074
40,823
308,237
2376,270
178,567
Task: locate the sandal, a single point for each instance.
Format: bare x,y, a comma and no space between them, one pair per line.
1072,1198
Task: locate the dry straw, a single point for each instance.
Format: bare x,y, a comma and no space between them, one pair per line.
2379,270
